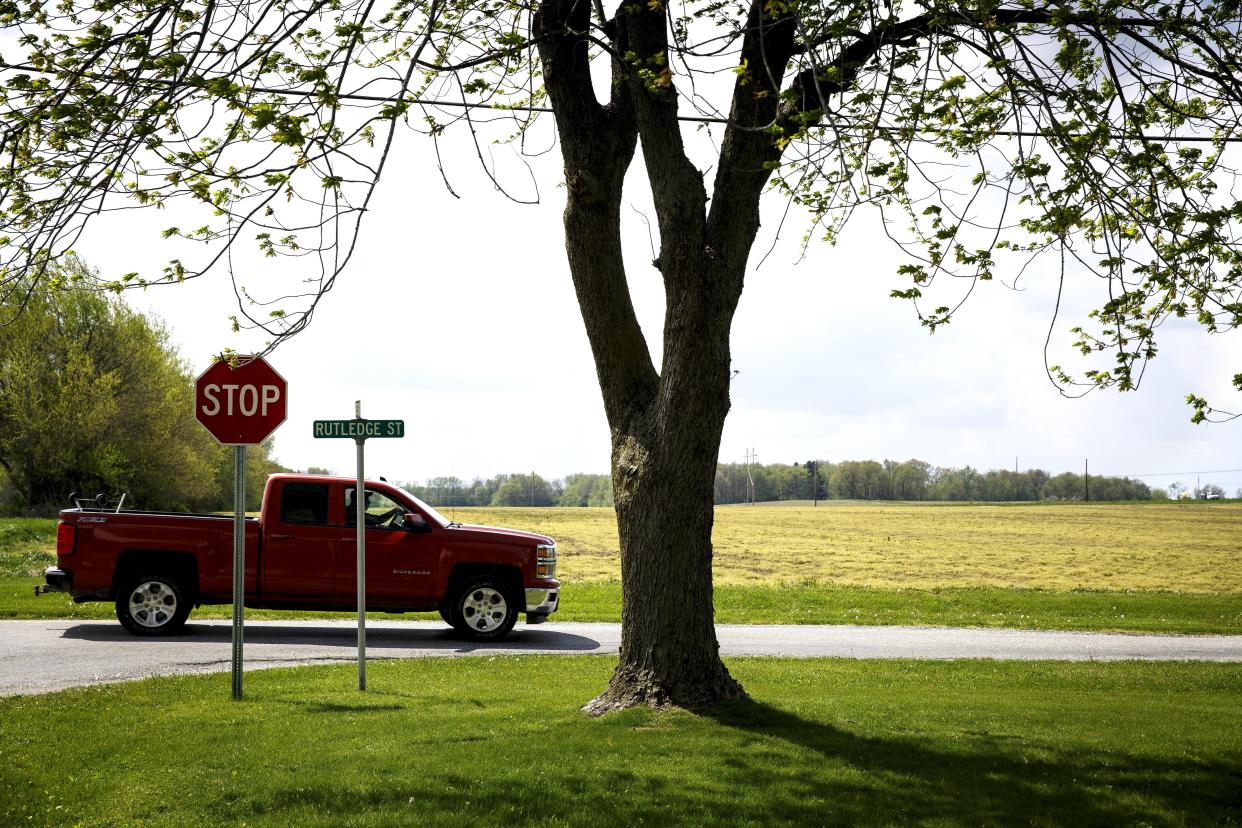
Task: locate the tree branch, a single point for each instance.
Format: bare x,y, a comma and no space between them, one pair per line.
676,185
749,154
597,144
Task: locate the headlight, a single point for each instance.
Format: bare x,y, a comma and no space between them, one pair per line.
545,560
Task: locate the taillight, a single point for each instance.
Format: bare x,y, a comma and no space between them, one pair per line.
66,534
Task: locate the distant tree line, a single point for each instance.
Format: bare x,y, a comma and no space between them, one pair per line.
913,480
814,480
516,490
94,399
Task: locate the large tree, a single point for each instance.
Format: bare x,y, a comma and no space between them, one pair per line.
983,132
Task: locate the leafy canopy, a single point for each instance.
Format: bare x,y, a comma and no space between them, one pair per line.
1098,135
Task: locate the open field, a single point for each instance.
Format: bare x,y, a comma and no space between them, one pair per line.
501,741
1179,547
1126,567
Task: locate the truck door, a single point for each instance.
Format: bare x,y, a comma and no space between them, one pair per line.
401,560
300,547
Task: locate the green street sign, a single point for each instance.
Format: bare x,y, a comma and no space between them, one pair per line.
359,428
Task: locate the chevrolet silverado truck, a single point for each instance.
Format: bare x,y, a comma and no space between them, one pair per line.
301,554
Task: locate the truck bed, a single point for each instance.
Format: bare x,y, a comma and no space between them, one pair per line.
120,541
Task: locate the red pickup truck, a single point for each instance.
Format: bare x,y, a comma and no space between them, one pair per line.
301,553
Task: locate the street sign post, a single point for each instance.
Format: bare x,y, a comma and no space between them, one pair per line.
240,403
359,430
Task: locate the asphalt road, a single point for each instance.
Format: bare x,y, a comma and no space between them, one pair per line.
44,656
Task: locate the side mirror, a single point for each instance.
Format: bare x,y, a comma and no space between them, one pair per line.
415,522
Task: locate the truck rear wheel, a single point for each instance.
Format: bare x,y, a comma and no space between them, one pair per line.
483,609
152,605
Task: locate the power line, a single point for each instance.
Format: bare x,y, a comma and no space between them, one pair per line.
1179,474
697,119
707,119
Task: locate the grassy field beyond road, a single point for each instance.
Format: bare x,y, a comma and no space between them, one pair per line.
1141,568
501,742
1058,546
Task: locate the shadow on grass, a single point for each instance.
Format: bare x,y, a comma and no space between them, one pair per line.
781,769
987,779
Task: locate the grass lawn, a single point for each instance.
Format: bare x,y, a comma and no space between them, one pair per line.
1162,567
810,603
501,741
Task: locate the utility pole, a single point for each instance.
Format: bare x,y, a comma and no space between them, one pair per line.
1086,482
750,481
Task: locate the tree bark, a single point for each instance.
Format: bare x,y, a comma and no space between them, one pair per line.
666,427
663,467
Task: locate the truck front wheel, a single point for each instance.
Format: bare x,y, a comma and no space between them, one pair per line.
483,609
152,605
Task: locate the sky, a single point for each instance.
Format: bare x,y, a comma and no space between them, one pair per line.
458,316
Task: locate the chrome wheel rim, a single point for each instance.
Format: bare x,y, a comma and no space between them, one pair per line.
152,604
484,609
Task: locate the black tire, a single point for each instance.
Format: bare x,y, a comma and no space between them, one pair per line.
484,608
152,605
446,615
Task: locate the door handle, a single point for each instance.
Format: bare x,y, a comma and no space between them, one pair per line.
282,537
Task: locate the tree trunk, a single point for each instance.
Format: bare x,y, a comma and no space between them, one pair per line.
663,469
666,426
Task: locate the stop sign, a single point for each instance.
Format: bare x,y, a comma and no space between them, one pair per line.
240,406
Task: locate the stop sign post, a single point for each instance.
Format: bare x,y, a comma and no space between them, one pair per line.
240,402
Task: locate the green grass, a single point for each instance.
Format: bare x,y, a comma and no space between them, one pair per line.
27,545
501,741
819,603
17,600
809,603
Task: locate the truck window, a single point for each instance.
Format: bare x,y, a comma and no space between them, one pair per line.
305,503
382,511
